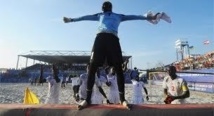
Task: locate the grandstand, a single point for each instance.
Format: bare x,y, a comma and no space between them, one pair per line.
73,60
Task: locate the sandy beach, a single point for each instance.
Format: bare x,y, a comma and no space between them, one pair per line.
14,93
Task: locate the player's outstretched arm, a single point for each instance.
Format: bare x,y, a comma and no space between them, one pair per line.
94,17
133,17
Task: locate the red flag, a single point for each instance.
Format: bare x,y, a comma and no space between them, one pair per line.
206,42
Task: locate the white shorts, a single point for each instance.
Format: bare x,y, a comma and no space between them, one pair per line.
113,97
53,95
137,100
96,98
82,94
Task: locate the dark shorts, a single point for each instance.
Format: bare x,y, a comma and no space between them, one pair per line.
106,48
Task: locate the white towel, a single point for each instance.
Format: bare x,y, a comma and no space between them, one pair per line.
162,16
150,13
165,17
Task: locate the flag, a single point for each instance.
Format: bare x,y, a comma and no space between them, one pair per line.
30,97
206,42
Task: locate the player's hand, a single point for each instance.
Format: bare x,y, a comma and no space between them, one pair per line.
147,97
149,15
108,83
168,99
67,20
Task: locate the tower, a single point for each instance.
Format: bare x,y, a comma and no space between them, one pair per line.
182,49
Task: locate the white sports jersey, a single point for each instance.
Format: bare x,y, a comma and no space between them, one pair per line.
113,80
75,81
83,85
53,91
174,88
137,96
103,79
113,94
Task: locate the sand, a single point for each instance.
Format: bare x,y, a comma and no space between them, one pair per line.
14,93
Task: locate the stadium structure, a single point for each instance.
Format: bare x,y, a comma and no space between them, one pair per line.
66,58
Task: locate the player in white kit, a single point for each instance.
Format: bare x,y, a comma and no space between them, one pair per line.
54,86
137,96
75,86
83,84
175,88
97,93
113,94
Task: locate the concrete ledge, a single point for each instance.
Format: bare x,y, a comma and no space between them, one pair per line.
107,110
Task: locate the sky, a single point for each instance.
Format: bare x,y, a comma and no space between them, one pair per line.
27,25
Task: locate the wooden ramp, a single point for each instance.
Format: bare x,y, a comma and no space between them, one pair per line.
107,110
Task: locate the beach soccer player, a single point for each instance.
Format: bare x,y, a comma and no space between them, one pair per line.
98,94
97,90
83,84
175,88
75,86
113,94
137,86
107,47
54,86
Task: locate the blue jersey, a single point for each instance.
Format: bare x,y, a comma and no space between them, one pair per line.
109,21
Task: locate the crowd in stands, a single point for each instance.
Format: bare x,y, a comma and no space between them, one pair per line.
13,76
196,62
